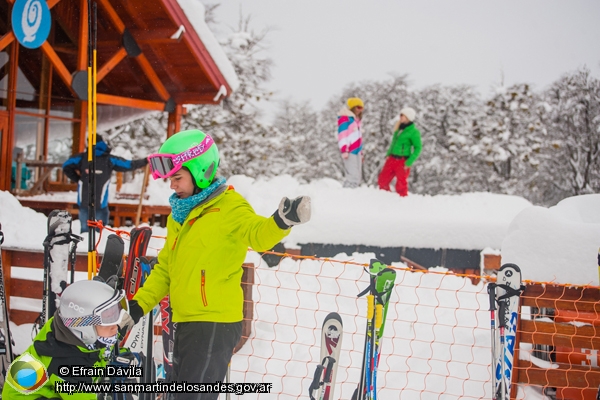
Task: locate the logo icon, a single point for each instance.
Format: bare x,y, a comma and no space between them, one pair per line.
31,22
27,374
76,307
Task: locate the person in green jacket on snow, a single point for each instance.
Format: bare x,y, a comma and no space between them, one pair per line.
82,333
403,152
209,231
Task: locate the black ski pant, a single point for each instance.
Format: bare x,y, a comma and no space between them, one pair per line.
202,351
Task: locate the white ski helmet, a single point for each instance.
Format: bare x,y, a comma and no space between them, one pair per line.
87,304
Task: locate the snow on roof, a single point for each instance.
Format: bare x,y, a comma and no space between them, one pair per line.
194,11
559,243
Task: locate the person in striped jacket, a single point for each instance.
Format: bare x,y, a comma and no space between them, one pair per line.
350,140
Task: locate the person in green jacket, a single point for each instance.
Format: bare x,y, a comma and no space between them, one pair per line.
82,333
209,231
403,152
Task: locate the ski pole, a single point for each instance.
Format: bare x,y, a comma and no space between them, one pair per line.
316,382
327,378
492,297
358,392
378,323
501,321
371,339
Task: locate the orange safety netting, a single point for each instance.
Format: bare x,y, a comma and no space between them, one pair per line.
437,339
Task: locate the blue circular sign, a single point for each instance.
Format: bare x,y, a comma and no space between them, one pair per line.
31,22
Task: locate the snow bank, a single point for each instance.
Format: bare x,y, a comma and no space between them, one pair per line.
368,216
21,225
559,243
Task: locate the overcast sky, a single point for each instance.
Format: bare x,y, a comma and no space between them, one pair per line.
319,46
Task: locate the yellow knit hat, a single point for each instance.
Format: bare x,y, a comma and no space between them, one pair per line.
354,102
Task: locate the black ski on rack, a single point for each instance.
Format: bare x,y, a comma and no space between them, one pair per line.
111,268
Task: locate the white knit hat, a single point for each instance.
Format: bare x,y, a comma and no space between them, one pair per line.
409,113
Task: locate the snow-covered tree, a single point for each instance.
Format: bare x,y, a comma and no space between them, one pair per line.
513,137
140,137
574,127
447,118
300,152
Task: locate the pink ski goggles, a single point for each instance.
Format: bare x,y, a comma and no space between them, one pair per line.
166,165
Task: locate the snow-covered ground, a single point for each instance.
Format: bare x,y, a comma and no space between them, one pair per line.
437,339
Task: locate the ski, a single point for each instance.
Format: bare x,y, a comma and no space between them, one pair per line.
381,283
331,343
508,289
141,337
384,283
6,342
59,252
111,267
140,238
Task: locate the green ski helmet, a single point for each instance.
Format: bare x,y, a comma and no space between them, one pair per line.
204,167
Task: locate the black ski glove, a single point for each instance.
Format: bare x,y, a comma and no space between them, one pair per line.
292,212
135,311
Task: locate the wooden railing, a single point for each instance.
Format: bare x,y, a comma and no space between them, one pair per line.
568,337
33,289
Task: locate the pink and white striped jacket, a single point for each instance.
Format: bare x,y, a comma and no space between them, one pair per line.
349,135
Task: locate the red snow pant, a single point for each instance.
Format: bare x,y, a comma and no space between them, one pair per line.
394,167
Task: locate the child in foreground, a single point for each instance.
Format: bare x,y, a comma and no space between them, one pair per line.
83,333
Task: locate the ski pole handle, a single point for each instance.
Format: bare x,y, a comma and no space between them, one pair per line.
370,306
492,295
328,370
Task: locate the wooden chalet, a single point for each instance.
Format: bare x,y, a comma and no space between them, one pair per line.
151,56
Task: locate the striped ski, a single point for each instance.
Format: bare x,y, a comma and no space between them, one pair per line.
508,289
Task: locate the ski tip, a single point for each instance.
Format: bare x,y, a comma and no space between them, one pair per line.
510,265
376,265
114,237
334,316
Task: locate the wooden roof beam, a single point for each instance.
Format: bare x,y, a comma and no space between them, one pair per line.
110,64
57,63
113,16
151,75
129,102
82,57
6,39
